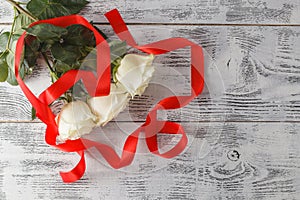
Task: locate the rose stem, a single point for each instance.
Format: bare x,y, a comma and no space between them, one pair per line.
22,10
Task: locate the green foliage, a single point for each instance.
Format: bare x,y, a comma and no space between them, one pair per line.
80,36
11,78
32,50
72,49
10,60
117,49
3,69
61,67
21,23
3,41
64,49
45,9
7,64
47,32
42,38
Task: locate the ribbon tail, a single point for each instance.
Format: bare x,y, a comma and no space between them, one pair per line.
167,128
77,172
119,26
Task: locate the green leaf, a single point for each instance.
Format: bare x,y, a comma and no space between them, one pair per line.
103,35
79,42
118,49
74,51
80,36
11,78
10,60
66,53
73,48
46,32
90,61
31,51
45,47
61,67
3,69
74,6
3,41
79,91
45,9
22,22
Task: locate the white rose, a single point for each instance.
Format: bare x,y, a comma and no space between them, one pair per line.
108,107
74,120
135,72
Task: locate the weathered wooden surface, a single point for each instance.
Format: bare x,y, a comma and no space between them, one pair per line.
223,160
253,75
243,129
190,12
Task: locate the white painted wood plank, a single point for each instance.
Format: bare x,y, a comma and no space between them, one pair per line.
211,11
244,161
258,66
191,12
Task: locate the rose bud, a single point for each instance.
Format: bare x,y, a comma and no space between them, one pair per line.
108,107
74,120
135,72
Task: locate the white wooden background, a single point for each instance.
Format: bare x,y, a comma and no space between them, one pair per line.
243,130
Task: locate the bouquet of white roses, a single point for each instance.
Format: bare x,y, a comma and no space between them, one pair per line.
65,49
105,75
132,78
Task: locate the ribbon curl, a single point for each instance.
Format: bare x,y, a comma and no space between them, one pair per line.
99,85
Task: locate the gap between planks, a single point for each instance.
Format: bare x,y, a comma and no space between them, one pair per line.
229,121
196,24
188,24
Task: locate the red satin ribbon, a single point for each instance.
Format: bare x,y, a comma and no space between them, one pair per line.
99,85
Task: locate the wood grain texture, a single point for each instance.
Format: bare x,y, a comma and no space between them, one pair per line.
243,129
190,12
206,170
252,73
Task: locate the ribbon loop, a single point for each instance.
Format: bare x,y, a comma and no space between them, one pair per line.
174,102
